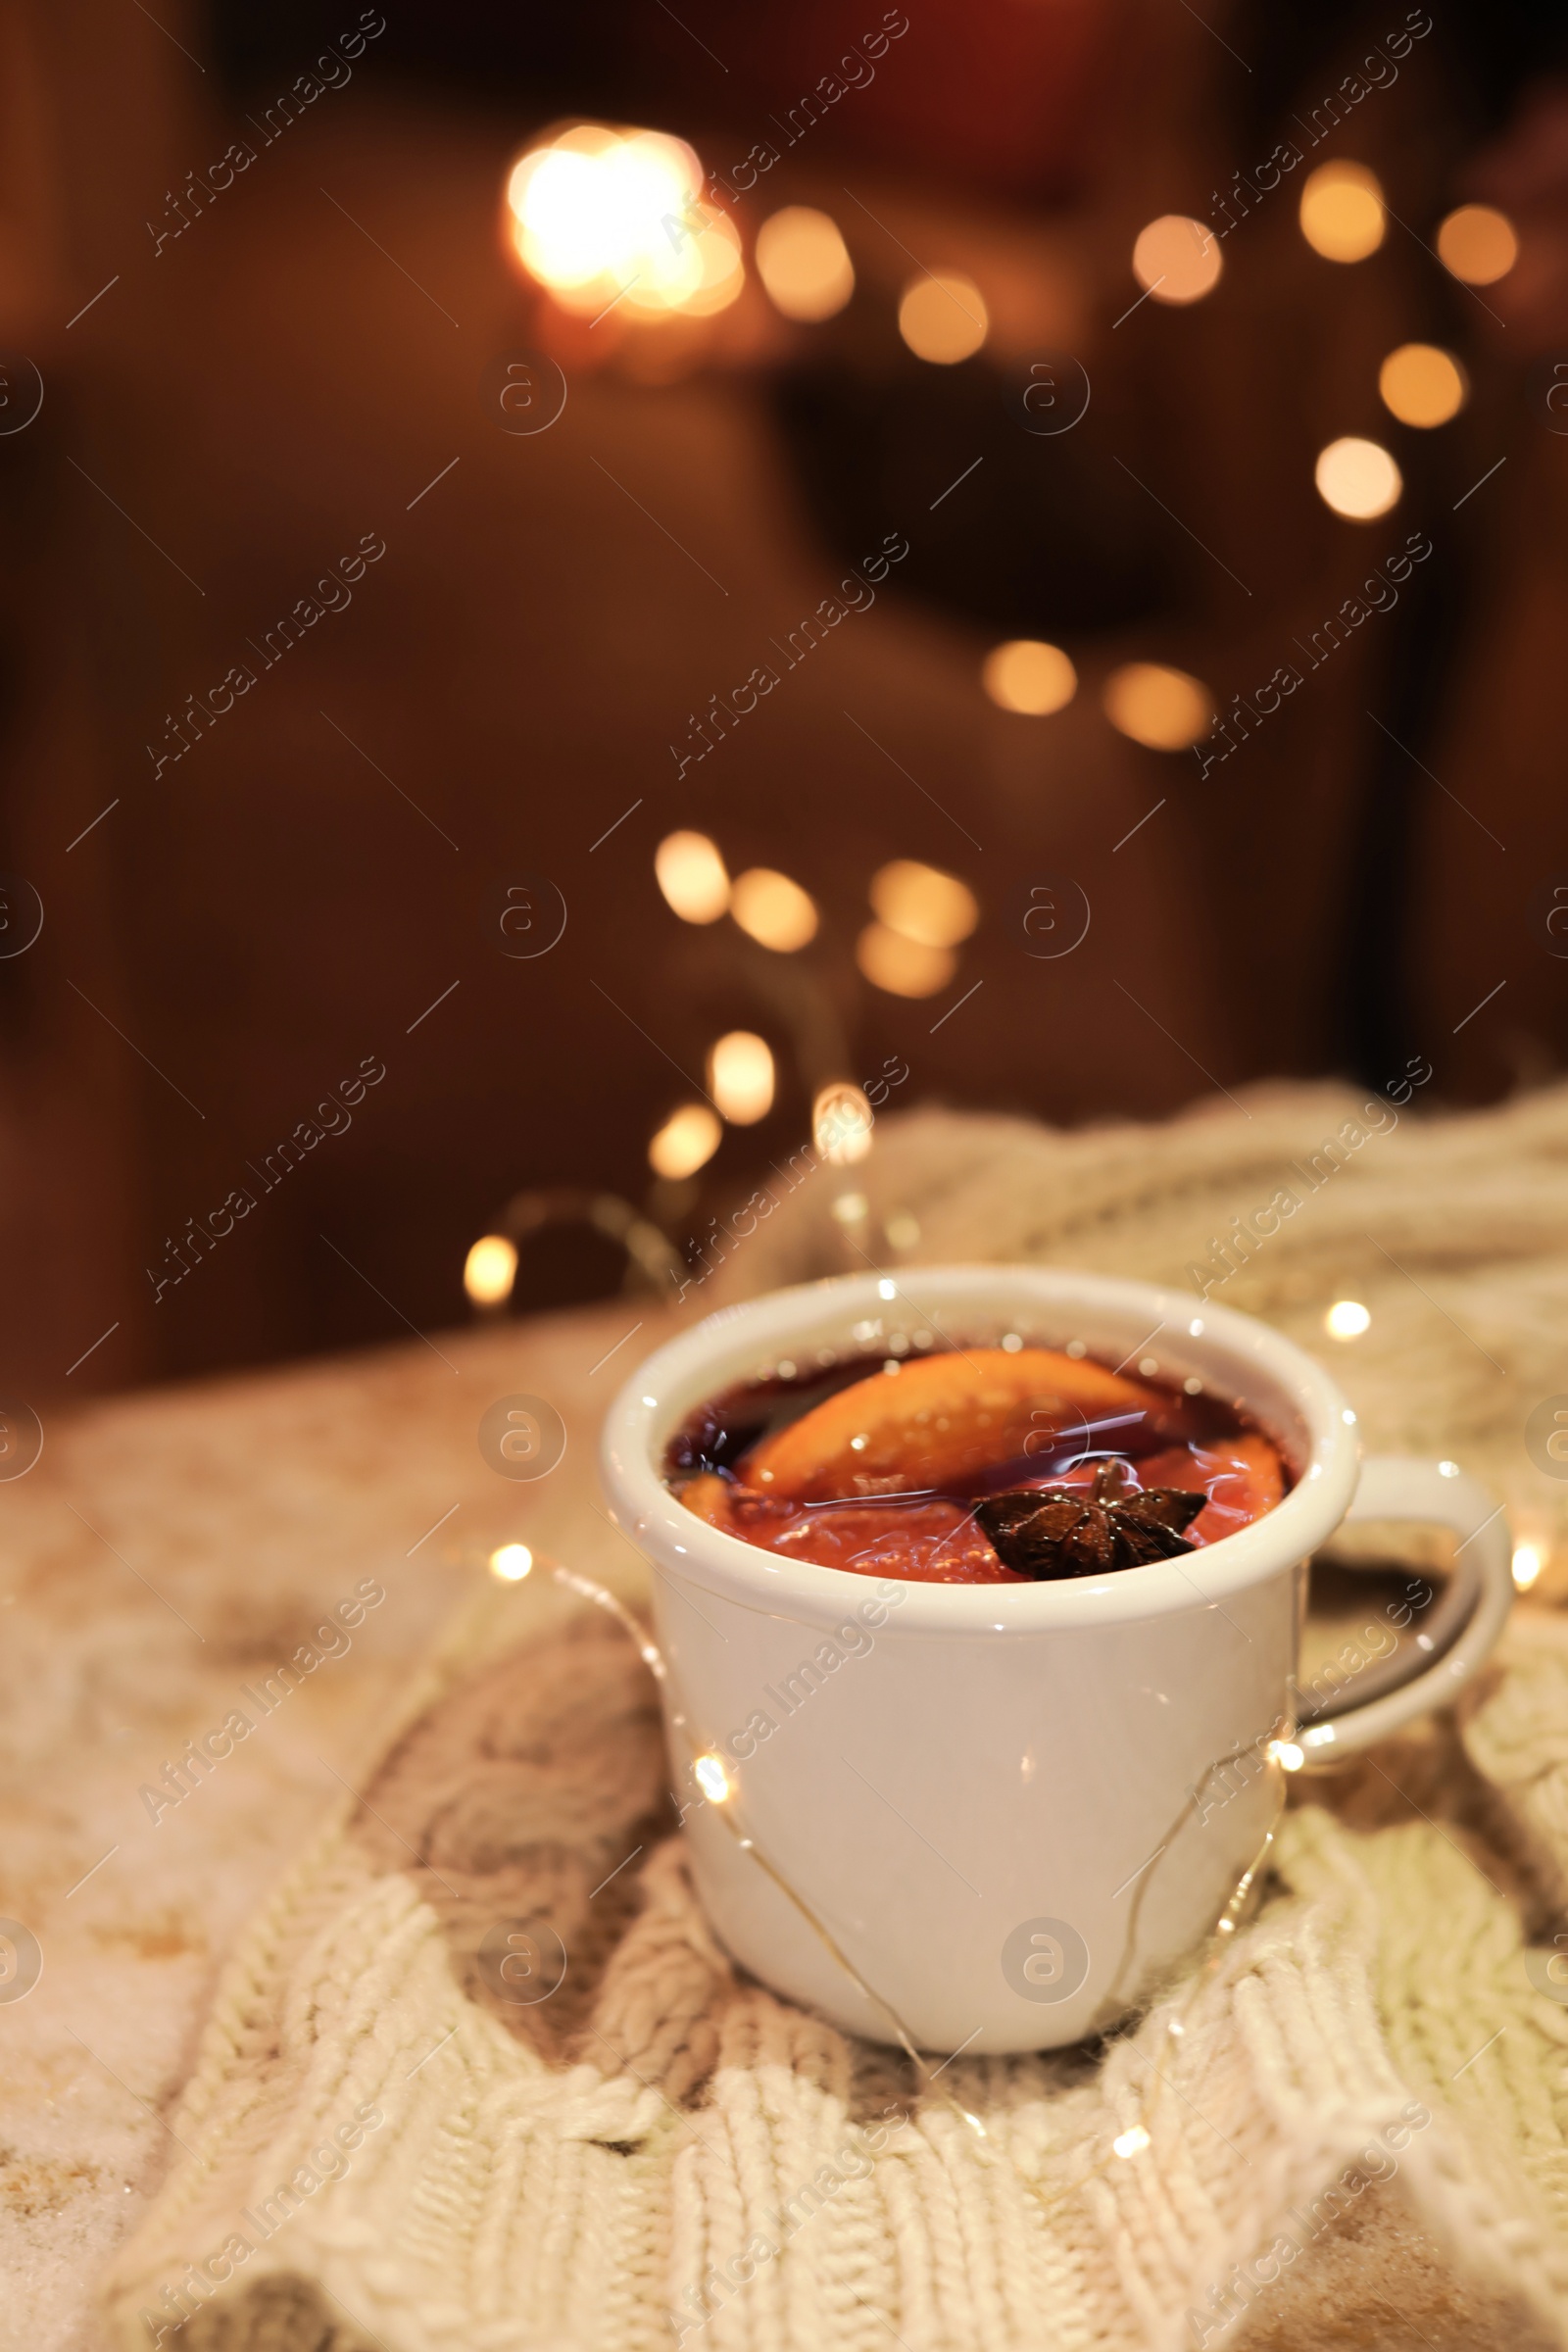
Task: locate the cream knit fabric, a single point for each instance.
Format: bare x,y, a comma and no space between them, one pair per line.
1359,2135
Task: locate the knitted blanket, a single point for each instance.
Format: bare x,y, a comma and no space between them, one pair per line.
480,2075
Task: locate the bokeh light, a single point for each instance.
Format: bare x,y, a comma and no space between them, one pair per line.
602,216
932,908
1163,709
1357,478
1341,214
490,1269
1347,1319
1422,385
511,1562
1029,676
772,909
903,966
740,1077
841,1124
686,1141
690,873
1478,244
1176,259
1527,1565
942,316
804,263
712,1777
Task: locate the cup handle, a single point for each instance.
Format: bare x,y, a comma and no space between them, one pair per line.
1476,1600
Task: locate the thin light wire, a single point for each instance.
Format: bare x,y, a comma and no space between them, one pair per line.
1224,1929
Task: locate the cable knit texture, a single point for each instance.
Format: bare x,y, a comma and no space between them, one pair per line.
1357,2136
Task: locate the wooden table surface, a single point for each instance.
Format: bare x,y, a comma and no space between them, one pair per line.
169,1548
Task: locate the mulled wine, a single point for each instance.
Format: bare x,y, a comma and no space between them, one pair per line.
1006,1464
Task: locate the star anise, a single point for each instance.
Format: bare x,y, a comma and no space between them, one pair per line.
1045,1533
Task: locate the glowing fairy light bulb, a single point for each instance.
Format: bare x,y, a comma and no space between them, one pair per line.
1422,385
686,1141
903,966
740,1077
923,904
1029,676
691,874
773,911
511,1563
1357,478
712,1777
1163,709
942,316
1342,212
490,1269
600,217
1177,260
805,264
841,1124
1476,244
1347,1319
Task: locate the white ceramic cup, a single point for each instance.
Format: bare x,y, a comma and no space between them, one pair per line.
1012,1807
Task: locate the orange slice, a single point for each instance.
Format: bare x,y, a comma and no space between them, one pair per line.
709,1497
1243,1477
1250,1481
936,1421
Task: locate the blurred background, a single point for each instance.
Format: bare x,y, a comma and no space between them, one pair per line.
590,594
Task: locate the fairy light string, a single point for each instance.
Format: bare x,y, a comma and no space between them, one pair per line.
513,1562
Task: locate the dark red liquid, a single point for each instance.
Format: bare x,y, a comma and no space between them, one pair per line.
879,1467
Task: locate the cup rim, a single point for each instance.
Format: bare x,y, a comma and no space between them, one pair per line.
728,1344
